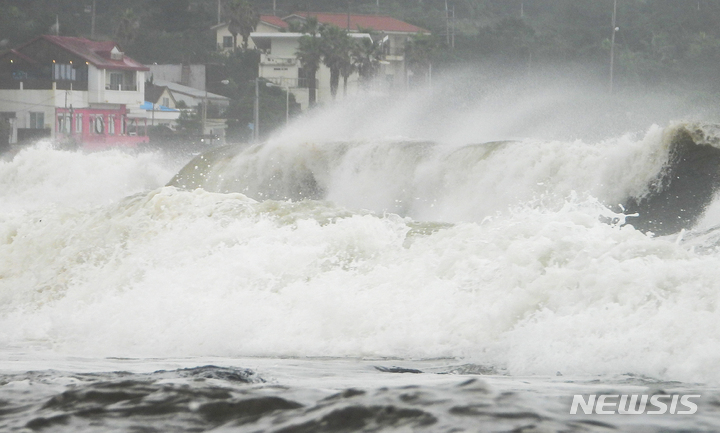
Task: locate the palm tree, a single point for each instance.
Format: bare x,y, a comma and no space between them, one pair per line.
127,28
336,46
418,53
243,19
309,55
366,59
346,70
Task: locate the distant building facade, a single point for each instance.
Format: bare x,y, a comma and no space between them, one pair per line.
73,89
280,66
267,24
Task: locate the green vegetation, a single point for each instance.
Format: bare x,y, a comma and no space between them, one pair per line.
658,41
659,44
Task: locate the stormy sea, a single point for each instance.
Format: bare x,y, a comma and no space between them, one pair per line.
370,268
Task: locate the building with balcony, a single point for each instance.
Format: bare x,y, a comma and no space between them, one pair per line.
267,24
279,65
73,89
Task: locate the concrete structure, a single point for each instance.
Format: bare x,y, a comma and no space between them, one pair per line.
187,75
73,89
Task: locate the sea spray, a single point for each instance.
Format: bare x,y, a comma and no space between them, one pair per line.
176,273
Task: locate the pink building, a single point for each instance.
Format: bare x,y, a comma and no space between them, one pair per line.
73,90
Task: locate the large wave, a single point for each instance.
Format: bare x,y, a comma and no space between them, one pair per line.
497,253
667,179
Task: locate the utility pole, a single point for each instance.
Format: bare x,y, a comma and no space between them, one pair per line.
447,24
256,111
348,16
612,44
452,42
92,21
204,112
219,9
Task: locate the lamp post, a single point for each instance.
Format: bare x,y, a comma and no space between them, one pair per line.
256,111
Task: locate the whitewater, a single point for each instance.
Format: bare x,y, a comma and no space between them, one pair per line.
394,278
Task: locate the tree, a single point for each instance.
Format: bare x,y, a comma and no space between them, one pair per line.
309,55
335,47
243,19
127,28
366,58
418,53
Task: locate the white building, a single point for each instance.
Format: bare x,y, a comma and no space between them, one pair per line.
279,64
73,89
267,24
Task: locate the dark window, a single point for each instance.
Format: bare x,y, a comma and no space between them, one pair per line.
116,81
37,120
227,41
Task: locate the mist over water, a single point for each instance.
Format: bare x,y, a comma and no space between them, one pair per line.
413,238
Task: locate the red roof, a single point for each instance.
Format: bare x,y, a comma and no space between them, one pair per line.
375,22
95,52
273,21
22,56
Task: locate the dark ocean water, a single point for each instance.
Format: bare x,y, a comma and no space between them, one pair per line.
323,395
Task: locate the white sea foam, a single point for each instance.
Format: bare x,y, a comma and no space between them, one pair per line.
177,273
98,258
40,175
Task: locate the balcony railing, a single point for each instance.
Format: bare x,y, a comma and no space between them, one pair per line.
121,87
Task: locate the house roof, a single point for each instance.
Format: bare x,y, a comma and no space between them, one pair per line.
96,52
153,92
273,21
270,20
358,22
19,55
263,40
190,91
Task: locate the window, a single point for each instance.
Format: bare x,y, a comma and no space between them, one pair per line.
116,81
227,41
78,123
63,124
37,120
63,72
99,125
166,102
